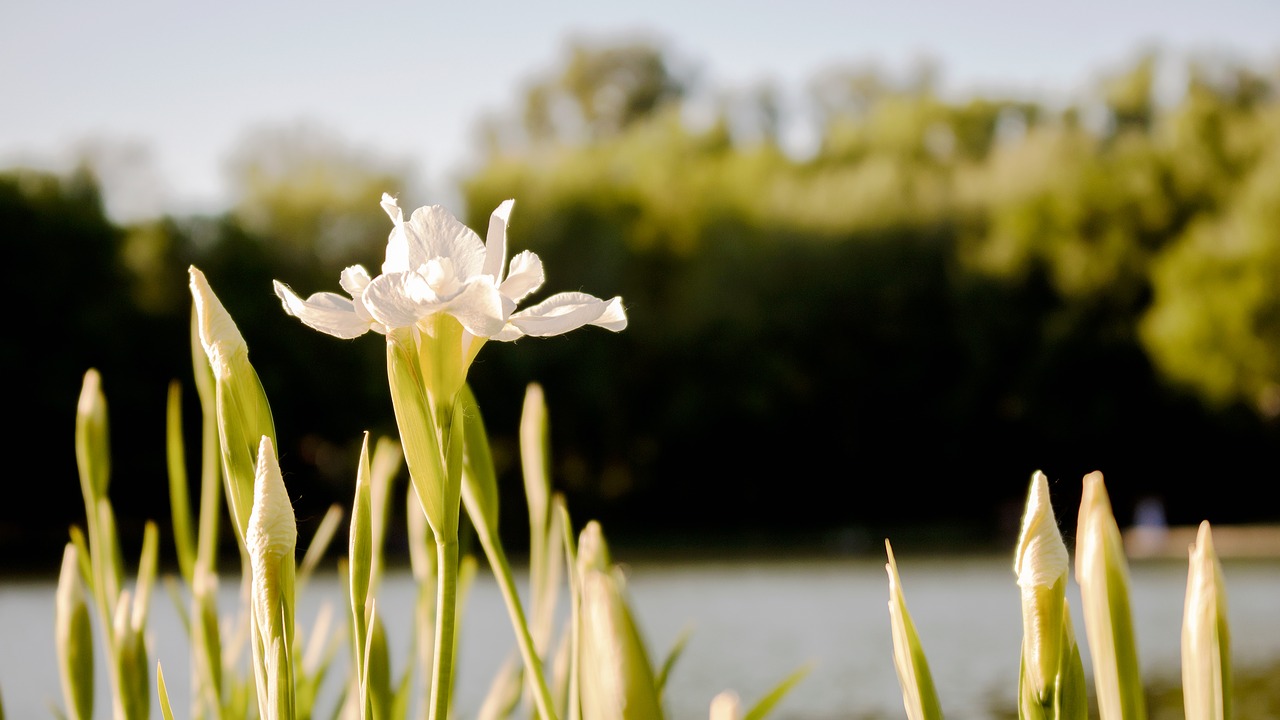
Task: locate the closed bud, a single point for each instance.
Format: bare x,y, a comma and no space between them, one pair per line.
726,706
1103,575
244,416
1041,564
617,680
1206,639
271,541
74,637
92,447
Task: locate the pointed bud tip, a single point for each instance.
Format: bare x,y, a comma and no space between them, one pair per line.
219,335
273,530
1041,557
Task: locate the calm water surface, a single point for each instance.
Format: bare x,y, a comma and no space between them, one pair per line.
751,624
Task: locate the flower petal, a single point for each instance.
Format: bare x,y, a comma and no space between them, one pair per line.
478,308
524,277
495,246
327,312
354,280
433,232
564,312
397,259
399,299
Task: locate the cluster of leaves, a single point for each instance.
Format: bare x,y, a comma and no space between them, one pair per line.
257,662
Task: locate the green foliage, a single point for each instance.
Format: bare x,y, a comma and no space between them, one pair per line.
988,272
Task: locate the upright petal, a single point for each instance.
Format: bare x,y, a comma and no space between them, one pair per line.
397,259
434,232
495,247
524,277
354,279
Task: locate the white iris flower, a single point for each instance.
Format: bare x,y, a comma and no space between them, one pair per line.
437,266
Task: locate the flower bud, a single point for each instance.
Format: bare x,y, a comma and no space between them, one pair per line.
219,335
1041,564
74,635
93,453
271,541
244,416
1103,575
726,706
1206,639
617,679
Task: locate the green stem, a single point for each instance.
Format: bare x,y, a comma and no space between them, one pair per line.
446,600
506,583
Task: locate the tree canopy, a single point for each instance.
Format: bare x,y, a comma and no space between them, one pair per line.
938,298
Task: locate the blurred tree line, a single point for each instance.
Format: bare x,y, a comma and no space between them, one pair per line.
893,330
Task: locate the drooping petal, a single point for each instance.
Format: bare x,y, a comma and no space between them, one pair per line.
495,246
478,308
327,312
563,312
524,277
433,232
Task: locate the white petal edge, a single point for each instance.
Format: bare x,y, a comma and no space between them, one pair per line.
326,312
478,308
434,232
563,312
495,246
397,257
525,276
398,299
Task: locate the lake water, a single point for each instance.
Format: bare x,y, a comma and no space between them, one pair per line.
751,624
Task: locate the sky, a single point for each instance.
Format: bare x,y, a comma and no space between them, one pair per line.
165,91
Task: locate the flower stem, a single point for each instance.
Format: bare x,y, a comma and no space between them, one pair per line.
506,583
446,600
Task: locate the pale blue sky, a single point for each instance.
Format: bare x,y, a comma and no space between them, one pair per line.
180,82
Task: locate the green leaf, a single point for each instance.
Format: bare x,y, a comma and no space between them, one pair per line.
166,710
774,696
359,556
179,503
479,480
504,691
677,649
918,694
419,436
377,663
385,463
320,542
535,464
74,635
